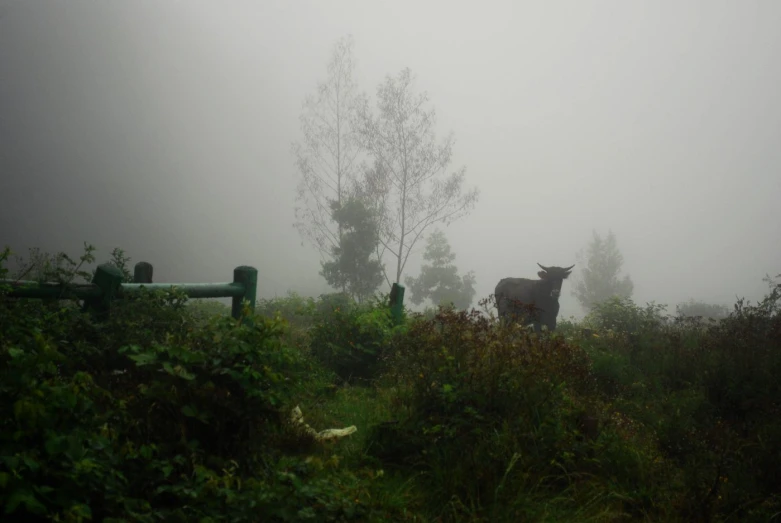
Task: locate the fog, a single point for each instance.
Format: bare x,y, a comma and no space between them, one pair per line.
164,128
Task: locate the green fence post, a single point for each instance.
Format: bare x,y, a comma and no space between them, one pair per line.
248,277
109,278
142,273
397,302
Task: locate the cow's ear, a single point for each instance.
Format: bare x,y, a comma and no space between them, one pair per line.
542,274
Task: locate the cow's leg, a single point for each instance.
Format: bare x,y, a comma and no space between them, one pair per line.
500,308
505,313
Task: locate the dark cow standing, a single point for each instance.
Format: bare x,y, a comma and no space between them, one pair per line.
517,297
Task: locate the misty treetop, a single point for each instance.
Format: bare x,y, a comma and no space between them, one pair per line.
599,276
390,160
327,158
698,308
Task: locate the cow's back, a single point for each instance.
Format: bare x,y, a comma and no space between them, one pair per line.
515,288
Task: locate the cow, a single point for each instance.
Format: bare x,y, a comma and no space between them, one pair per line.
532,301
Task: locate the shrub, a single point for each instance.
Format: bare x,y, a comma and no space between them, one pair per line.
204,310
621,315
297,310
708,394
497,419
152,416
699,309
352,339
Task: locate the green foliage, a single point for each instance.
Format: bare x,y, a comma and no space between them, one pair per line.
54,268
500,422
353,267
439,280
203,310
352,339
708,311
621,315
121,262
167,411
294,308
297,311
152,415
600,268
708,395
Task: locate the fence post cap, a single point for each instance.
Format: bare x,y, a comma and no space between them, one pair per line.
108,268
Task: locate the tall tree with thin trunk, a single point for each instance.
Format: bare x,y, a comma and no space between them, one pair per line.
327,156
408,184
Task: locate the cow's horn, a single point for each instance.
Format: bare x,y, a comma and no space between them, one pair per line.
570,267
543,267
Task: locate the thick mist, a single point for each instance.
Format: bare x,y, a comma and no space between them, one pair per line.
164,128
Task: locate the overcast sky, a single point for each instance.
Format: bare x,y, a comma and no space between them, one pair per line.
164,128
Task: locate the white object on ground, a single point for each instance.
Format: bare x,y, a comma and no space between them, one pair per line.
297,416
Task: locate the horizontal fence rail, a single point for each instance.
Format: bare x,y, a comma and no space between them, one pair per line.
107,286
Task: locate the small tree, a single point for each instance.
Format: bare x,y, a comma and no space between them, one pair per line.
705,310
599,278
408,183
439,280
327,158
352,268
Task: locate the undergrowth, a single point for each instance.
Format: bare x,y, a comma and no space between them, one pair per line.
172,410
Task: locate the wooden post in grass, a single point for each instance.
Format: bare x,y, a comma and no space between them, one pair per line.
109,279
397,302
248,277
142,273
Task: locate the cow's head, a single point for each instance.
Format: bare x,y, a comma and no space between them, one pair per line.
555,276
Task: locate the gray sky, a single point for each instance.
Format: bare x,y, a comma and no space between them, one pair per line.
164,127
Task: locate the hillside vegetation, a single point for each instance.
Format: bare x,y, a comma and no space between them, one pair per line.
171,410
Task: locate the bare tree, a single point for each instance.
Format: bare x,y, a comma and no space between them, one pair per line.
408,184
327,156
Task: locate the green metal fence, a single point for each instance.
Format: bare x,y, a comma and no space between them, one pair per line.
107,286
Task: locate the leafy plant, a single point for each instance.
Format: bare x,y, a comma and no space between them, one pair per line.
352,339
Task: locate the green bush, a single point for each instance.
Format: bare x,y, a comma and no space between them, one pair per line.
297,310
171,410
498,419
700,309
707,394
352,339
621,315
151,415
204,310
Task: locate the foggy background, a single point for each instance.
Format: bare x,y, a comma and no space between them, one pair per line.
164,128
